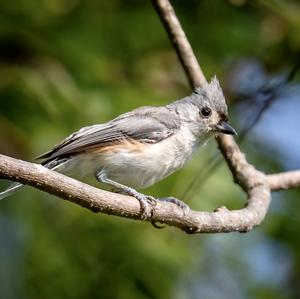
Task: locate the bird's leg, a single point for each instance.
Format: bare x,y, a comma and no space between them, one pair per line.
147,202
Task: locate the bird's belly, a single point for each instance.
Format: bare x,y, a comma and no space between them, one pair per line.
140,170
135,166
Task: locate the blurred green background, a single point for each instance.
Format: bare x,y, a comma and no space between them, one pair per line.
65,64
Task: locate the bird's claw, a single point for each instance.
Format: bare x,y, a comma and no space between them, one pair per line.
185,208
147,203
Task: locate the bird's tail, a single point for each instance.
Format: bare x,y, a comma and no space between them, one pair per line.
10,190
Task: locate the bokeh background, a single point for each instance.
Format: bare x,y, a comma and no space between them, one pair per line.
65,64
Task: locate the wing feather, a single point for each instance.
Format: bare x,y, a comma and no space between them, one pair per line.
146,124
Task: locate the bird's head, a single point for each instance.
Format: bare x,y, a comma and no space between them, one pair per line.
206,110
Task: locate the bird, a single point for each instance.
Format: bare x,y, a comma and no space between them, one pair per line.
140,148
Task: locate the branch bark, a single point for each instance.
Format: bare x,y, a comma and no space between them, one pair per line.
284,180
256,184
180,43
97,200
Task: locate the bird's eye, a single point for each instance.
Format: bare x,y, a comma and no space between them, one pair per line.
205,112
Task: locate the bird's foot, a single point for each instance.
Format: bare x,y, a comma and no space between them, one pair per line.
185,208
147,203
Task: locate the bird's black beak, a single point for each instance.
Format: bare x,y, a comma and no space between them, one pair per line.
225,128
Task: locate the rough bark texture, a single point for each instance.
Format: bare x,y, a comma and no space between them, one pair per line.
256,184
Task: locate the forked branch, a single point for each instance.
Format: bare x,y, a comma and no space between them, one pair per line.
256,184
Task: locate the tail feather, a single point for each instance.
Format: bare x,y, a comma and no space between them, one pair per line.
10,190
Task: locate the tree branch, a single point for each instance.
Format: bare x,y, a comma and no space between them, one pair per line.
255,183
98,200
181,45
284,180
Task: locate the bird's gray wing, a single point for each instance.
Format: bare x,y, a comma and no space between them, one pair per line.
146,124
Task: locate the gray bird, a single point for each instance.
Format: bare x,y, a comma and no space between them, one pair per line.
143,146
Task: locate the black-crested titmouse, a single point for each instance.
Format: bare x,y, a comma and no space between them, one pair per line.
143,146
